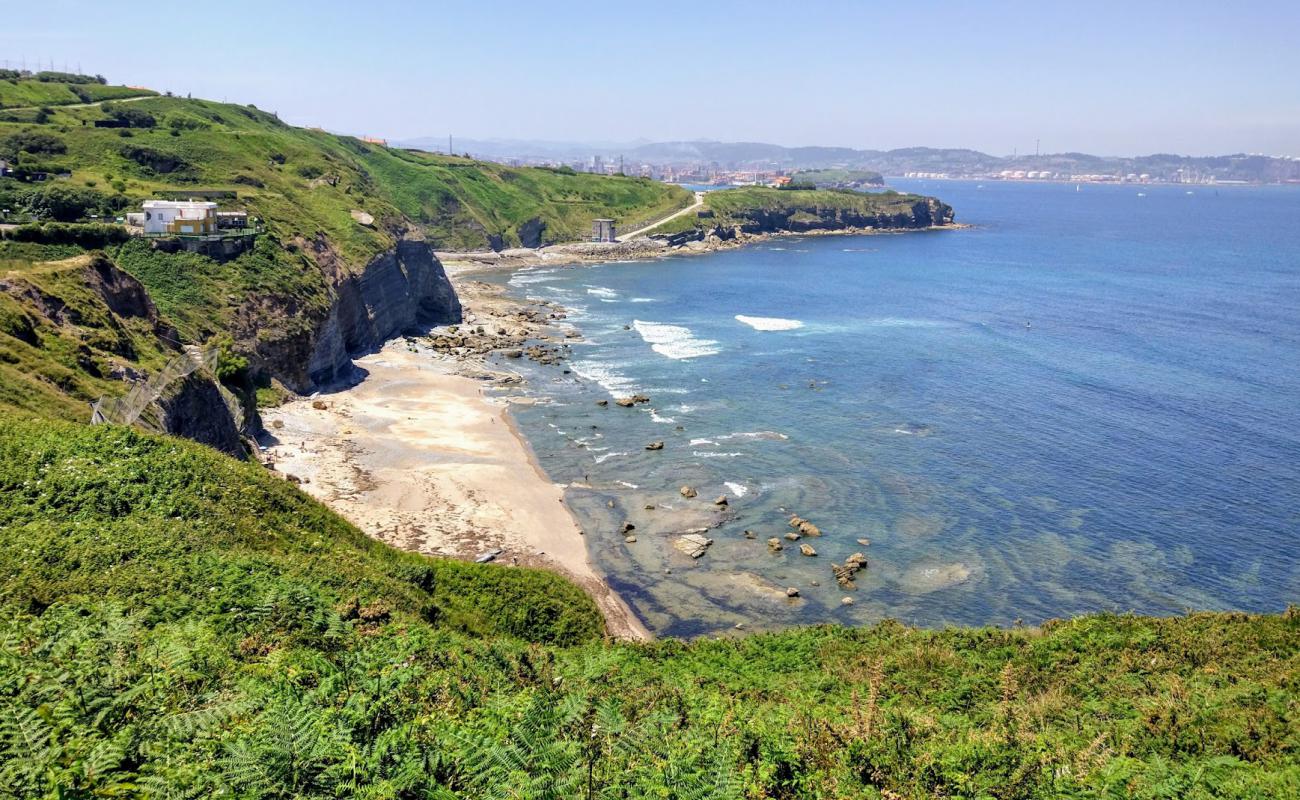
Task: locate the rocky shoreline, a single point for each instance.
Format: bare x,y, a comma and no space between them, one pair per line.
401,489
645,249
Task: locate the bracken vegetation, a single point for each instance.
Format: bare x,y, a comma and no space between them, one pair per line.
178,624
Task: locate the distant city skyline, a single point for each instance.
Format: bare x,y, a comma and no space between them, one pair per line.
1116,79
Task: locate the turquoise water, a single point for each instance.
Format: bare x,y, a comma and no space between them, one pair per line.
1090,400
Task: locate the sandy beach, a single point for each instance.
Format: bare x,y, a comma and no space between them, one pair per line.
417,456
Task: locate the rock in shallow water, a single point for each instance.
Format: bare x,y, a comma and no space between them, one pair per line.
692,544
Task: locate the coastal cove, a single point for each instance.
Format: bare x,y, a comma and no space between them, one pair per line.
1060,411
922,399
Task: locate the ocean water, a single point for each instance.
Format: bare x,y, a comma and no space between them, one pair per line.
1088,401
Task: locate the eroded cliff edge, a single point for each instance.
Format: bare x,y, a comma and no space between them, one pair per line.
401,290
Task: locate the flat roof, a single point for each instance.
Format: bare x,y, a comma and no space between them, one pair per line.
179,204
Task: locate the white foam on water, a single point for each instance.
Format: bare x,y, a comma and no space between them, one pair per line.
755,435
699,442
643,300
702,454
685,409
602,292
526,276
628,485
674,341
769,323
654,417
609,379
900,322
738,489
603,457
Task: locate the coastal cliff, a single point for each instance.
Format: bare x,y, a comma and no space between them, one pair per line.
735,213
926,212
397,291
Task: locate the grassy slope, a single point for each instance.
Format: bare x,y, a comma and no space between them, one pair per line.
304,185
175,619
55,367
32,93
732,205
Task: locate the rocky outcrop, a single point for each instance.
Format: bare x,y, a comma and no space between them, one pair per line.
532,232
195,408
401,290
925,212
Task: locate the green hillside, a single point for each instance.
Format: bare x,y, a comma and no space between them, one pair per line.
34,92
180,624
328,204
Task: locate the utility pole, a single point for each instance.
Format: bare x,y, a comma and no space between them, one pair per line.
1036,141
449,144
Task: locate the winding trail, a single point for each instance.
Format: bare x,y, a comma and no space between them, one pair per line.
61,106
699,201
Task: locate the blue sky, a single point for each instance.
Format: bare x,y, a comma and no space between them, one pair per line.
1102,77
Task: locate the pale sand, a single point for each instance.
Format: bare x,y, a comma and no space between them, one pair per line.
418,457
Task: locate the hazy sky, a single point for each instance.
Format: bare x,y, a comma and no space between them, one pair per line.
1104,77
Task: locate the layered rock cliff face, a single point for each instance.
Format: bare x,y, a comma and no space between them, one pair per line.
401,290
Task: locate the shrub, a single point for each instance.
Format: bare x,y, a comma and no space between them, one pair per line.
64,203
130,117
31,142
88,236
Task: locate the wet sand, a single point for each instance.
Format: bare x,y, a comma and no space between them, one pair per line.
418,457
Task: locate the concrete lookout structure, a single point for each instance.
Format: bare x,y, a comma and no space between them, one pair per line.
602,230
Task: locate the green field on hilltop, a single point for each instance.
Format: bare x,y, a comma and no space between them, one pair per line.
175,620
839,177
32,93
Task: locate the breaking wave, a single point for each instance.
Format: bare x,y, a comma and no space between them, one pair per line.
674,341
769,323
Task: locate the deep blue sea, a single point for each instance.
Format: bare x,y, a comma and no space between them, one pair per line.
1088,401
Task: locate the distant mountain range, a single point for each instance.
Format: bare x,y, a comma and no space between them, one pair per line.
949,161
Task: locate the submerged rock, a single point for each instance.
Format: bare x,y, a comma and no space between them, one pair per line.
792,592
721,501
655,446
804,526
687,491
807,550
692,544
774,544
